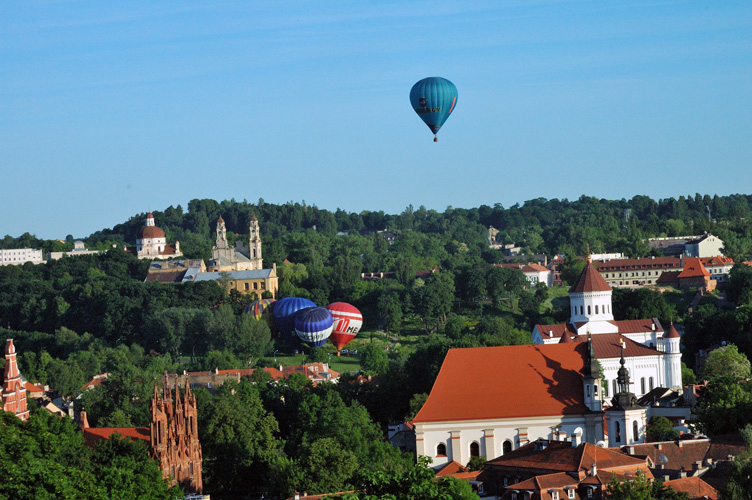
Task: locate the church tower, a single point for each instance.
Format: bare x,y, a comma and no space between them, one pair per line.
254,245
591,385
14,392
625,419
221,234
669,344
590,302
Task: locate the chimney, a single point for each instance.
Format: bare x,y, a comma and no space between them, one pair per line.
576,439
630,450
297,496
680,443
660,446
666,478
84,421
683,474
550,333
696,466
593,469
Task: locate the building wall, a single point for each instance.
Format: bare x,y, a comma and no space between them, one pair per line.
17,256
490,435
259,286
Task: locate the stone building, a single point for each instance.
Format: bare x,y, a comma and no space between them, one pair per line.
151,242
240,257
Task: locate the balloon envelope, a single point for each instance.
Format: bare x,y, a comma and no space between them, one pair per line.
259,308
284,313
433,99
347,322
313,325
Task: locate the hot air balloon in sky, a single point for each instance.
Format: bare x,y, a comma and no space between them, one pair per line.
347,323
284,313
258,308
313,325
433,99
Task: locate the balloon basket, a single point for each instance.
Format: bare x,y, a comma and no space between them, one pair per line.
435,139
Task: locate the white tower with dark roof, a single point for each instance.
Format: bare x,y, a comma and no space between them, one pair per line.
255,245
590,303
670,345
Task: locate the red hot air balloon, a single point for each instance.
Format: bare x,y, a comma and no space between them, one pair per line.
347,323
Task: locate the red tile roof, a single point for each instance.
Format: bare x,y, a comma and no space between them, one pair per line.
557,480
683,457
559,456
694,487
590,280
608,345
450,468
634,264
718,260
150,232
92,435
534,268
692,268
547,377
672,333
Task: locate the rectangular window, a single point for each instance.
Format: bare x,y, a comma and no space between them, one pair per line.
247,286
590,492
570,493
554,495
255,285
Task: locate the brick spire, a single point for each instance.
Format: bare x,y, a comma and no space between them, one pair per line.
14,392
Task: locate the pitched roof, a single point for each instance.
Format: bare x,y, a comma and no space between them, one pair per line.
236,275
534,268
718,260
609,345
694,487
625,326
643,263
92,435
450,468
679,457
692,268
561,457
548,378
590,280
545,481
172,276
672,333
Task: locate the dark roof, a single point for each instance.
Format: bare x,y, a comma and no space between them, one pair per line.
175,276
694,487
150,232
560,456
590,280
672,333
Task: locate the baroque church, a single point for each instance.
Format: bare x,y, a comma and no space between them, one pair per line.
240,257
577,383
151,242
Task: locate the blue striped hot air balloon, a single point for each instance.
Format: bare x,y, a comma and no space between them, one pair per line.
314,325
434,99
284,313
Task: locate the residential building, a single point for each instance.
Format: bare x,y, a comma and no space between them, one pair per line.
636,272
552,469
175,271
315,372
18,256
718,266
252,281
705,245
534,273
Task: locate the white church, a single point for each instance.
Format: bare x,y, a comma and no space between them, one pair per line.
487,401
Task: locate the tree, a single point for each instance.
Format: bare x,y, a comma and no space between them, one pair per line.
433,301
725,406
726,361
571,269
238,438
660,429
390,309
373,359
641,489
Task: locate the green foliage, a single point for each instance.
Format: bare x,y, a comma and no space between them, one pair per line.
373,359
45,457
571,269
416,483
728,362
725,406
476,463
641,489
641,303
660,429
688,375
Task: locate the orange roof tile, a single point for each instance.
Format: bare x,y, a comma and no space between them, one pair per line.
547,377
92,435
692,268
450,468
590,280
672,333
559,456
625,326
694,487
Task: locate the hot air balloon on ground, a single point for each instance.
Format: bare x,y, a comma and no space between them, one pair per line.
347,322
313,325
259,308
433,99
284,313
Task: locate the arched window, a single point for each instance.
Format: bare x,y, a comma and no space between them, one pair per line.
635,432
617,432
642,384
474,449
581,310
506,447
615,391
596,308
441,450
588,310
651,383
587,391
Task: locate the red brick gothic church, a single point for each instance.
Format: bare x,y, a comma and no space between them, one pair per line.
172,436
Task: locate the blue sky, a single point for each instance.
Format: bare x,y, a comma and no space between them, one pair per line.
108,109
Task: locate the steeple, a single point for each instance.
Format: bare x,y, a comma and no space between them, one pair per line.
590,302
221,234
254,244
626,420
592,379
14,392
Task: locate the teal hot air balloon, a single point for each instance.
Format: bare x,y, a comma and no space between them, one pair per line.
434,99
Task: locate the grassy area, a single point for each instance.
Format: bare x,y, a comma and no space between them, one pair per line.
558,297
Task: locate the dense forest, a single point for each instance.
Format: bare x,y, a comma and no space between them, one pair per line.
85,315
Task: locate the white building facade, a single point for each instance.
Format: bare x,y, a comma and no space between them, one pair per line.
18,256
